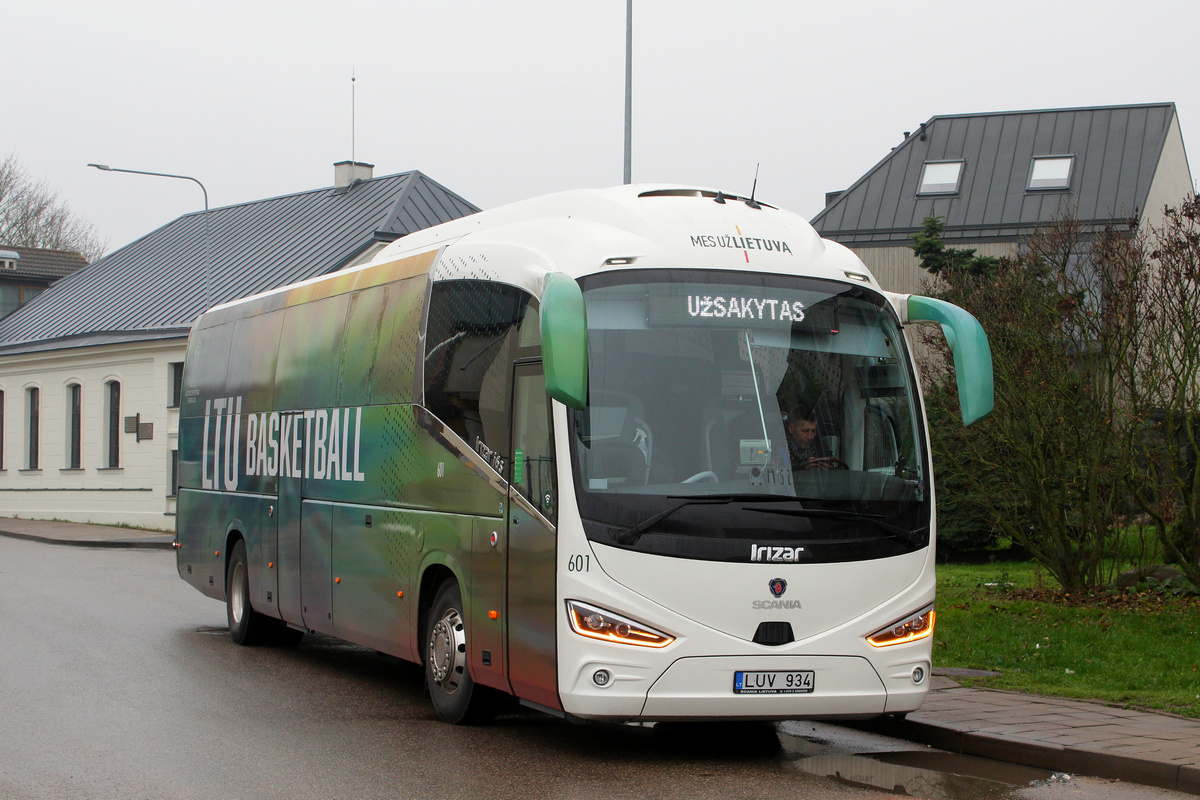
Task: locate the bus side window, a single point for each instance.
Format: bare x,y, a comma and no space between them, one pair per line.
252,367
309,351
208,367
471,337
380,352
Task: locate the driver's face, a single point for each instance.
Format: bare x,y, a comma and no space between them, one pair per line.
803,432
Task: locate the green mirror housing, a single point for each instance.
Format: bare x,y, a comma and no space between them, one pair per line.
564,340
972,354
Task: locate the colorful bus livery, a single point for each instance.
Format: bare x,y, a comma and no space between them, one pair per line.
571,452
296,444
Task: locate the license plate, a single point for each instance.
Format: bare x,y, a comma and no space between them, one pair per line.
802,681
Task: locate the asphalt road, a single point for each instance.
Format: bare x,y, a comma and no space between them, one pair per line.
117,680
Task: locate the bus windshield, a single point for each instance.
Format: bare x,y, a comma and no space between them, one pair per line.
729,407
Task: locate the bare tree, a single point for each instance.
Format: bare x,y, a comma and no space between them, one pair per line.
32,215
1169,388
1053,466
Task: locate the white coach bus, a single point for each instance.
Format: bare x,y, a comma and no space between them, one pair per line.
642,453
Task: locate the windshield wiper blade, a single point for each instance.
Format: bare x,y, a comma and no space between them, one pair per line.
631,534
904,534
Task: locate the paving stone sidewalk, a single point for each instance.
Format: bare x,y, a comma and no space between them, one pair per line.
1071,736
79,535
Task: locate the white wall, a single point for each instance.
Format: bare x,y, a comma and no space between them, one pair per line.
136,493
1172,179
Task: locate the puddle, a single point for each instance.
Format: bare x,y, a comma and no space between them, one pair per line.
933,775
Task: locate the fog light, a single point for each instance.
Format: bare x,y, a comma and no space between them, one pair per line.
918,674
601,677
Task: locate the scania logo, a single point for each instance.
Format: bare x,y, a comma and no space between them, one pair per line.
777,586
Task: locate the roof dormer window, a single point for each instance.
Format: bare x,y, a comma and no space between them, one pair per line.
1051,172
8,259
940,177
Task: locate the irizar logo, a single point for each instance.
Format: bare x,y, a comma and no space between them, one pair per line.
772,554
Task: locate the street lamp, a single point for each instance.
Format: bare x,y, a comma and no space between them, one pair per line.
629,92
207,226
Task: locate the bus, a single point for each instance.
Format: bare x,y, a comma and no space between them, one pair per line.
645,453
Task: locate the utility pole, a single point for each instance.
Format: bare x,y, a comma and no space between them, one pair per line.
628,91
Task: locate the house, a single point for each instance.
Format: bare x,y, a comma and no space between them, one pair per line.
994,178
26,272
90,372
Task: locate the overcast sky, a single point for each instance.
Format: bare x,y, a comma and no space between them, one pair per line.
501,100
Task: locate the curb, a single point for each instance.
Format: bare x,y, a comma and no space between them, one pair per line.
148,543
1042,756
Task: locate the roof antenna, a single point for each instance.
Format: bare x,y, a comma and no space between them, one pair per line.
751,201
353,160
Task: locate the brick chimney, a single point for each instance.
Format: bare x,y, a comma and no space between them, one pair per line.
347,172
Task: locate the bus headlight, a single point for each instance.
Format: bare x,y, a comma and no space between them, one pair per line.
596,623
913,627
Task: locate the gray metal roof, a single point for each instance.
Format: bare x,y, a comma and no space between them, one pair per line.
155,286
1116,150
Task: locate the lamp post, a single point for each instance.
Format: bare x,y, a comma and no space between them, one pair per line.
207,226
629,91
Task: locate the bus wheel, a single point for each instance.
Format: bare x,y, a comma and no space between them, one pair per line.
246,625
446,675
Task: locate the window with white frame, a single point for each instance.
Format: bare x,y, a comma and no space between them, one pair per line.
1051,172
74,438
176,383
33,417
112,430
940,177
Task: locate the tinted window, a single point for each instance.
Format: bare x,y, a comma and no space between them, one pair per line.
207,367
380,355
473,334
310,351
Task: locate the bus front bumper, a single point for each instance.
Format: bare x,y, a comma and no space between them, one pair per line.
703,687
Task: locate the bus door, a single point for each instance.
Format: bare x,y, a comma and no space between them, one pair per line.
532,515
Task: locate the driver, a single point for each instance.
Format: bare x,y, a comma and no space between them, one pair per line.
804,443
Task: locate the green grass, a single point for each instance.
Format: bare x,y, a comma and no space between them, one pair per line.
1137,649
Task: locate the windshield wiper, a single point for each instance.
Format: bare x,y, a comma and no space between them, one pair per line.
904,534
631,534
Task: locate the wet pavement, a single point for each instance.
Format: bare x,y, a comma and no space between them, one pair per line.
975,727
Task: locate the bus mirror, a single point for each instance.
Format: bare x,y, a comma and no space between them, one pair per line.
564,340
972,354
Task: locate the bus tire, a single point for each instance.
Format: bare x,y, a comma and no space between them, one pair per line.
246,625
455,697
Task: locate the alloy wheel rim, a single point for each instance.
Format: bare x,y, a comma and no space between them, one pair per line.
447,651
